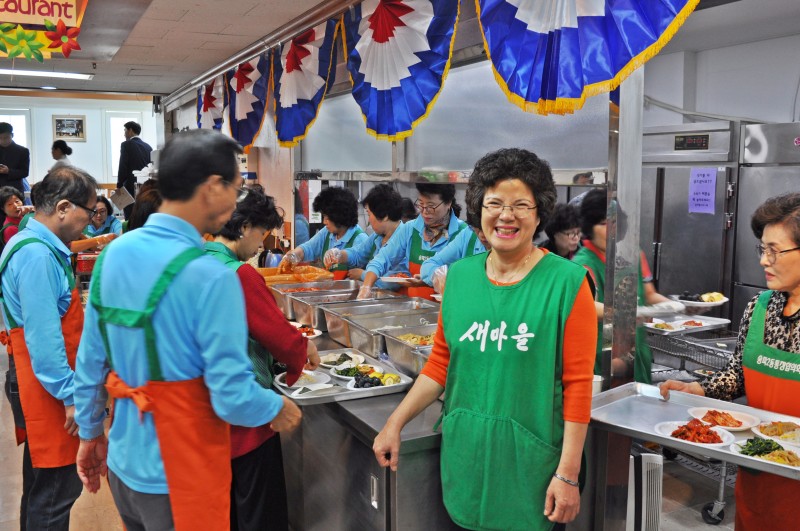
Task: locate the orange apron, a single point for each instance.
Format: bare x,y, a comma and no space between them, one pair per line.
764,501
194,442
49,443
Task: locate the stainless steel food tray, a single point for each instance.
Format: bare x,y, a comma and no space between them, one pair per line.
279,291
700,353
339,392
307,306
365,331
714,323
337,315
634,409
406,356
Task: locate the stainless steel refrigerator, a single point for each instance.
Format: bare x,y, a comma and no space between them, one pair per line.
770,166
688,197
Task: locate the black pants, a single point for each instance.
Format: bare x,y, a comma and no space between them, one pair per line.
258,489
140,511
47,495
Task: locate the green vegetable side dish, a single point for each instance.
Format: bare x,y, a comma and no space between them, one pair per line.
758,446
350,372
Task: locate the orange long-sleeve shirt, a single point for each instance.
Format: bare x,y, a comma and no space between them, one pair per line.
580,341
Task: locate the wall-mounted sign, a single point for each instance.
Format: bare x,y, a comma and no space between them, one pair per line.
702,190
21,33
34,12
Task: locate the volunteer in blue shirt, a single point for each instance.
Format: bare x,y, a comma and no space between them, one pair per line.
383,206
466,243
418,240
339,210
103,222
180,381
44,317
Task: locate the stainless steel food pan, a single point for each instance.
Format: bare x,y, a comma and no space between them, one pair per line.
281,292
365,331
406,356
308,307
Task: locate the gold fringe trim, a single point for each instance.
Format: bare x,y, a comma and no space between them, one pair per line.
569,105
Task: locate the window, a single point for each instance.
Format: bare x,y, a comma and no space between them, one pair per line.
115,122
19,120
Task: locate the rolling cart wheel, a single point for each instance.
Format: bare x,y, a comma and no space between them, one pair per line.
708,515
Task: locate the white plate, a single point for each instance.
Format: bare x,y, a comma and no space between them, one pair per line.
689,327
396,280
352,385
666,429
696,304
305,379
747,420
437,297
335,375
357,358
675,328
792,441
316,333
736,449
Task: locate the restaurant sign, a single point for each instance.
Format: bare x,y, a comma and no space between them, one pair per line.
35,29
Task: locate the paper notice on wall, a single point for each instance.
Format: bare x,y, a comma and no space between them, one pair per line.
702,191
314,188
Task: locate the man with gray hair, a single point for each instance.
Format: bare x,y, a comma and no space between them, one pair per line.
43,314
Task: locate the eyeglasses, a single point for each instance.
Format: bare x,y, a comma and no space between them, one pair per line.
241,192
426,208
771,254
571,233
98,212
520,210
92,212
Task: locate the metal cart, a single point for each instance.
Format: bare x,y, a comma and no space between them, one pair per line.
685,358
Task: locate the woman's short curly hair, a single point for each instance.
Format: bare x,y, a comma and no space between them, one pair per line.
565,217
109,207
338,205
384,202
782,209
446,192
256,210
513,163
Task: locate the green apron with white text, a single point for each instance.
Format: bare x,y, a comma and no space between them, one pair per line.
417,256
340,267
502,424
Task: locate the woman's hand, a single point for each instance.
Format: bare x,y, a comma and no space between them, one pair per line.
387,447
562,501
365,292
355,274
288,262
312,356
416,282
692,388
332,257
438,278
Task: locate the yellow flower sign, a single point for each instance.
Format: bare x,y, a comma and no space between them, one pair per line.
35,29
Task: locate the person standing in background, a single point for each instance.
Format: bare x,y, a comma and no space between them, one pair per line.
43,313
59,151
134,154
301,227
15,160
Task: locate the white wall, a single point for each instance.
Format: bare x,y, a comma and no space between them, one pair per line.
757,80
94,154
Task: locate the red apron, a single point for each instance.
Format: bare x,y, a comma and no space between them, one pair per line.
765,501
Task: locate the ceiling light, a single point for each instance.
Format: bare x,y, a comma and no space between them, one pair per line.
48,87
38,73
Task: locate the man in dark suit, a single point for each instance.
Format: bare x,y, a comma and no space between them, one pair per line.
134,155
15,160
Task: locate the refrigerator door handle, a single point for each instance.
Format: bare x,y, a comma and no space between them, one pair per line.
656,260
373,491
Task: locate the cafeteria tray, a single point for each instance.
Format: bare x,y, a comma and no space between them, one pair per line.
339,392
365,330
407,356
714,323
307,306
279,291
634,409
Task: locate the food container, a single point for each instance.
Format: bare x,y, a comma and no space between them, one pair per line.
406,356
336,315
300,273
281,292
365,330
307,306
84,263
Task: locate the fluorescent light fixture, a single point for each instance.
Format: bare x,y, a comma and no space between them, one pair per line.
48,87
38,73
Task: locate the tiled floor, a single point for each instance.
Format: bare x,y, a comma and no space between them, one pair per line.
685,491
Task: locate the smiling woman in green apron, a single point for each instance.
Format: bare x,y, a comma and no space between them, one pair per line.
339,210
513,353
418,240
763,366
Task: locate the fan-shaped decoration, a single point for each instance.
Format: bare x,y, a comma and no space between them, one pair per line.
211,102
550,55
398,54
247,88
302,71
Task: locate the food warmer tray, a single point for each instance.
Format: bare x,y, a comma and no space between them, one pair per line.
714,323
365,331
339,392
279,291
634,409
407,356
307,306
336,315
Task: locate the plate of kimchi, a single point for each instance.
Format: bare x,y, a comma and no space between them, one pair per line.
724,418
695,432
